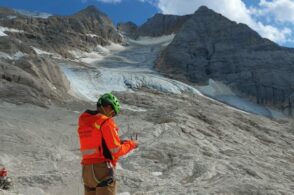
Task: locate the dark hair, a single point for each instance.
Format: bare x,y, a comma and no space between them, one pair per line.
103,103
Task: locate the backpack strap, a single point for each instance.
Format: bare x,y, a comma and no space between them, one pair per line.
106,151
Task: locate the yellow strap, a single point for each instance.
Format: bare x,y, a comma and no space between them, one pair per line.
97,126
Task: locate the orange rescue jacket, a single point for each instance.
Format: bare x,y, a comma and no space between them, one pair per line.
99,139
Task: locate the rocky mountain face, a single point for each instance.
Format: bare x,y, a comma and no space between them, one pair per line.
129,29
211,46
31,47
85,29
32,79
161,24
156,26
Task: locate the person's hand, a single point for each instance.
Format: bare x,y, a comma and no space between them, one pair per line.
135,143
123,141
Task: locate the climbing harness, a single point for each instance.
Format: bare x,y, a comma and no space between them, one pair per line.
108,180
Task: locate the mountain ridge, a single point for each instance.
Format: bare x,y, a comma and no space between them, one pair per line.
210,46
31,47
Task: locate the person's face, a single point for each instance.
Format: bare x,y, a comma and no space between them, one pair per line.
109,111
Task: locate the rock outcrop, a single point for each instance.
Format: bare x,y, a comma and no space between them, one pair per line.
211,46
128,29
32,79
161,24
158,25
83,30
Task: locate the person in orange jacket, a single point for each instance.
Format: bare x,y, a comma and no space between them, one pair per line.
101,146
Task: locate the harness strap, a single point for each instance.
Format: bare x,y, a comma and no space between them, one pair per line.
88,189
106,152
107,181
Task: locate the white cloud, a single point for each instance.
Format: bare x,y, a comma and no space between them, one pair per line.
277,35
281,10
235,10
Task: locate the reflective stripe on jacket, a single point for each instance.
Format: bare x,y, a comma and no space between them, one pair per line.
93,128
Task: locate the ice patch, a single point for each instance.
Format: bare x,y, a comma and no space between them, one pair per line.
5,55
223,93
115,47
91,35
102,50
159,83
97,54
5,29
86,57
215,88
91,83
42,52
34,14
83,82
11,17
18,55
15,56
165,40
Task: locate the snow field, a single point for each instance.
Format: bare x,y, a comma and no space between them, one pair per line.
223,93
98,54
127,72
34,14
90,84
164,40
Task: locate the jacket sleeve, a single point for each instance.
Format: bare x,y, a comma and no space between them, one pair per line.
111,137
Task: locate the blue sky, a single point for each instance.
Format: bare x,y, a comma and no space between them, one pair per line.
128,10
272,19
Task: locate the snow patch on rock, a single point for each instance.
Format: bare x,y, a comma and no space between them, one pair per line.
164,40
223,93
34,14
15,56
91,35
5,29
43,52
97,54
11,17
86,57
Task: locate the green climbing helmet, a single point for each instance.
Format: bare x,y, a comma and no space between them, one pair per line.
108,98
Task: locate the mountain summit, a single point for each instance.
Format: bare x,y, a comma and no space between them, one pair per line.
92,12
210,46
